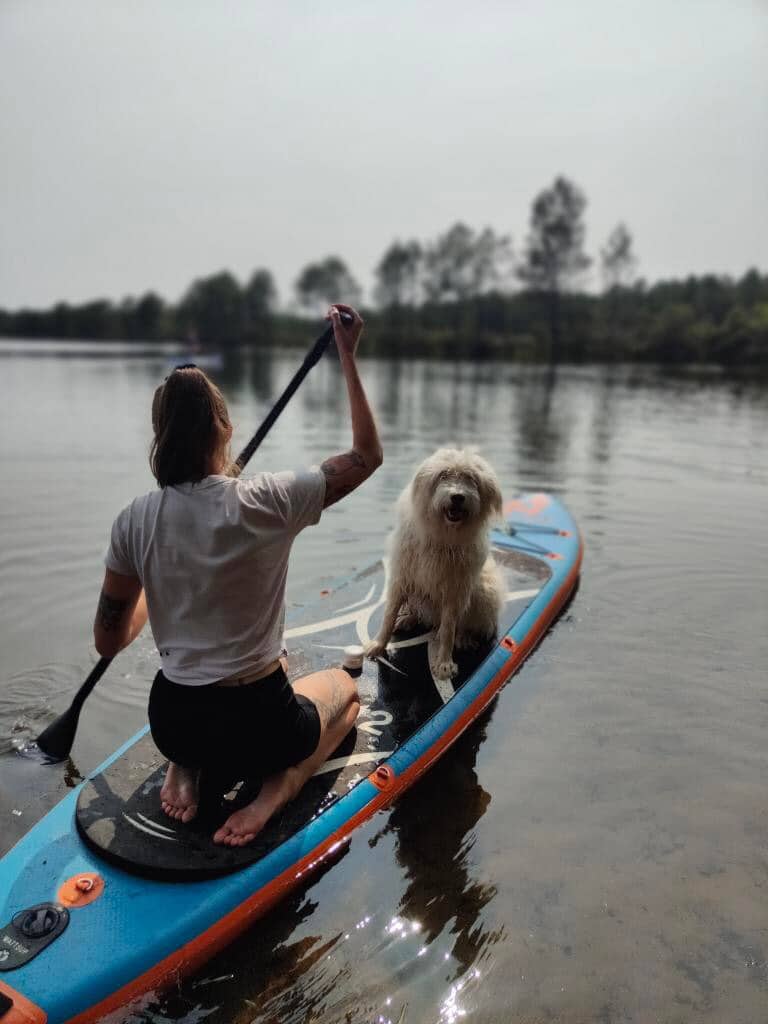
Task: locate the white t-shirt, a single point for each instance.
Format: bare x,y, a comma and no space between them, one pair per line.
213,558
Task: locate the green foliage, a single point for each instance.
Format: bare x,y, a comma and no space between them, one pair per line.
672,337
554,257
398,275
451,298
617,259
320,284
213,310
710,319
259,299
148,317
462,263
742,337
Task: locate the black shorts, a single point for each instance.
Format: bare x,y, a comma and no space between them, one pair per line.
241,732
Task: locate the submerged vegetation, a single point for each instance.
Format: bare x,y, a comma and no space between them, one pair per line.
464,294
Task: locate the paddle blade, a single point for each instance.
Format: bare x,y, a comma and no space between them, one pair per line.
57,740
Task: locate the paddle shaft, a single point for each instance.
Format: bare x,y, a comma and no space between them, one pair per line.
310,359
56,741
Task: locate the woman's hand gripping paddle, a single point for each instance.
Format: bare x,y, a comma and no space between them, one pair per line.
56,741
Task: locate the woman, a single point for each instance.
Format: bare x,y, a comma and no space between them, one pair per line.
205,557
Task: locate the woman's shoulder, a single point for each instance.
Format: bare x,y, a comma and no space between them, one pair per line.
261,489
283,494
279,485
150,499
139,506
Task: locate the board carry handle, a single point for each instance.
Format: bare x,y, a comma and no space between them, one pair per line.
56,741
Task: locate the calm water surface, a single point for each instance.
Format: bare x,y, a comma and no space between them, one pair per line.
596,848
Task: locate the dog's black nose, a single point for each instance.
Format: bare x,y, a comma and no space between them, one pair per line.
457,499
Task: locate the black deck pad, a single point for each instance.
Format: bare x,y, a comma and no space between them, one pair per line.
119,813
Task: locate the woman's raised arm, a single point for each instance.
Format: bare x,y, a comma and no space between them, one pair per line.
346,471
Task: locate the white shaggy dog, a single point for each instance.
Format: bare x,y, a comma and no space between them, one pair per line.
441,573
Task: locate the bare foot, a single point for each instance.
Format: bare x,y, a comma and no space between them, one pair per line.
334,693
178,797
244,825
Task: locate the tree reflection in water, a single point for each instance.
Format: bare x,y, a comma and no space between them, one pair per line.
433,823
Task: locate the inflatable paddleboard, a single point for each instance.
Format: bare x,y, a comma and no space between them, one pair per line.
107,899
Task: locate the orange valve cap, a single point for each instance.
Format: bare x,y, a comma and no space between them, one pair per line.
383,777
80,890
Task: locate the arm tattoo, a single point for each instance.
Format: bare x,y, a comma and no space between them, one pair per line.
343,473
110,612
341,463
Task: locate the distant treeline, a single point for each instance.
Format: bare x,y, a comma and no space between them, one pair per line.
465,294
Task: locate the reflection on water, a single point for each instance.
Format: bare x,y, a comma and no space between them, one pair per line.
434,847
593,849
542,430
422,956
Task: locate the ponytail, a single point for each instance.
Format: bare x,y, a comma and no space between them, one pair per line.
190,423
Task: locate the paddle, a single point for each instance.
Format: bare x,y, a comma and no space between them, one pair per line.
56,741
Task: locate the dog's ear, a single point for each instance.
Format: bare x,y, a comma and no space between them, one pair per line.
420,479
496,499
416,491
491,493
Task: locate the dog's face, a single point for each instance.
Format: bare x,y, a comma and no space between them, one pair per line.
457,489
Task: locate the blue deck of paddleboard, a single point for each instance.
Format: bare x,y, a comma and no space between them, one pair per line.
138,922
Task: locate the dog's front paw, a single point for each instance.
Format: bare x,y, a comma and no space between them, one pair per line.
375,649
444,670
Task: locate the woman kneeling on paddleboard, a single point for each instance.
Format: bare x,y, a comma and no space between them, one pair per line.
205,557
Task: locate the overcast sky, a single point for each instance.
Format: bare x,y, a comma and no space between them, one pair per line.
148,143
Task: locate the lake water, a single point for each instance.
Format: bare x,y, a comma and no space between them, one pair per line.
596,848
